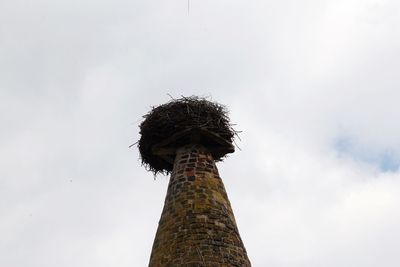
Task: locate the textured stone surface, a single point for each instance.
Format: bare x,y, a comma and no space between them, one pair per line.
197,226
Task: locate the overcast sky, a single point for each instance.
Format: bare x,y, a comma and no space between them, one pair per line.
314,86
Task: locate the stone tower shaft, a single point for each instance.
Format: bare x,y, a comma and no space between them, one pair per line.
197,225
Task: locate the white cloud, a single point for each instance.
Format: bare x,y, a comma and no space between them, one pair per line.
76,78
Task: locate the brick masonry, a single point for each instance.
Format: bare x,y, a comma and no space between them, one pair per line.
197,225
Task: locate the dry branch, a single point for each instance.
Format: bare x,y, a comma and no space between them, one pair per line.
176,116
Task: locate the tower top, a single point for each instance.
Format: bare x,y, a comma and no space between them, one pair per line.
188,120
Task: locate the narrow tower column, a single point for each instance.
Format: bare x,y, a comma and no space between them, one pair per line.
197,225
197,228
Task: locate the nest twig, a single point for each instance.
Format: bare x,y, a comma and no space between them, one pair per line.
177,115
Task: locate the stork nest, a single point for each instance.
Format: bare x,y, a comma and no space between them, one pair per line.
176,116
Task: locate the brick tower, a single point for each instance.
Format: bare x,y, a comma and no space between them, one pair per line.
197,225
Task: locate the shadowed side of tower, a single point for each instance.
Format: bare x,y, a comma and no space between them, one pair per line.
197,225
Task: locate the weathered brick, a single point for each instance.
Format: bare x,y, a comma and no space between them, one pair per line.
197,225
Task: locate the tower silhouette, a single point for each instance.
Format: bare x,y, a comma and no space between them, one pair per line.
197,227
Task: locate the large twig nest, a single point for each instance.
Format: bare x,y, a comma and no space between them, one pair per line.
180,122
